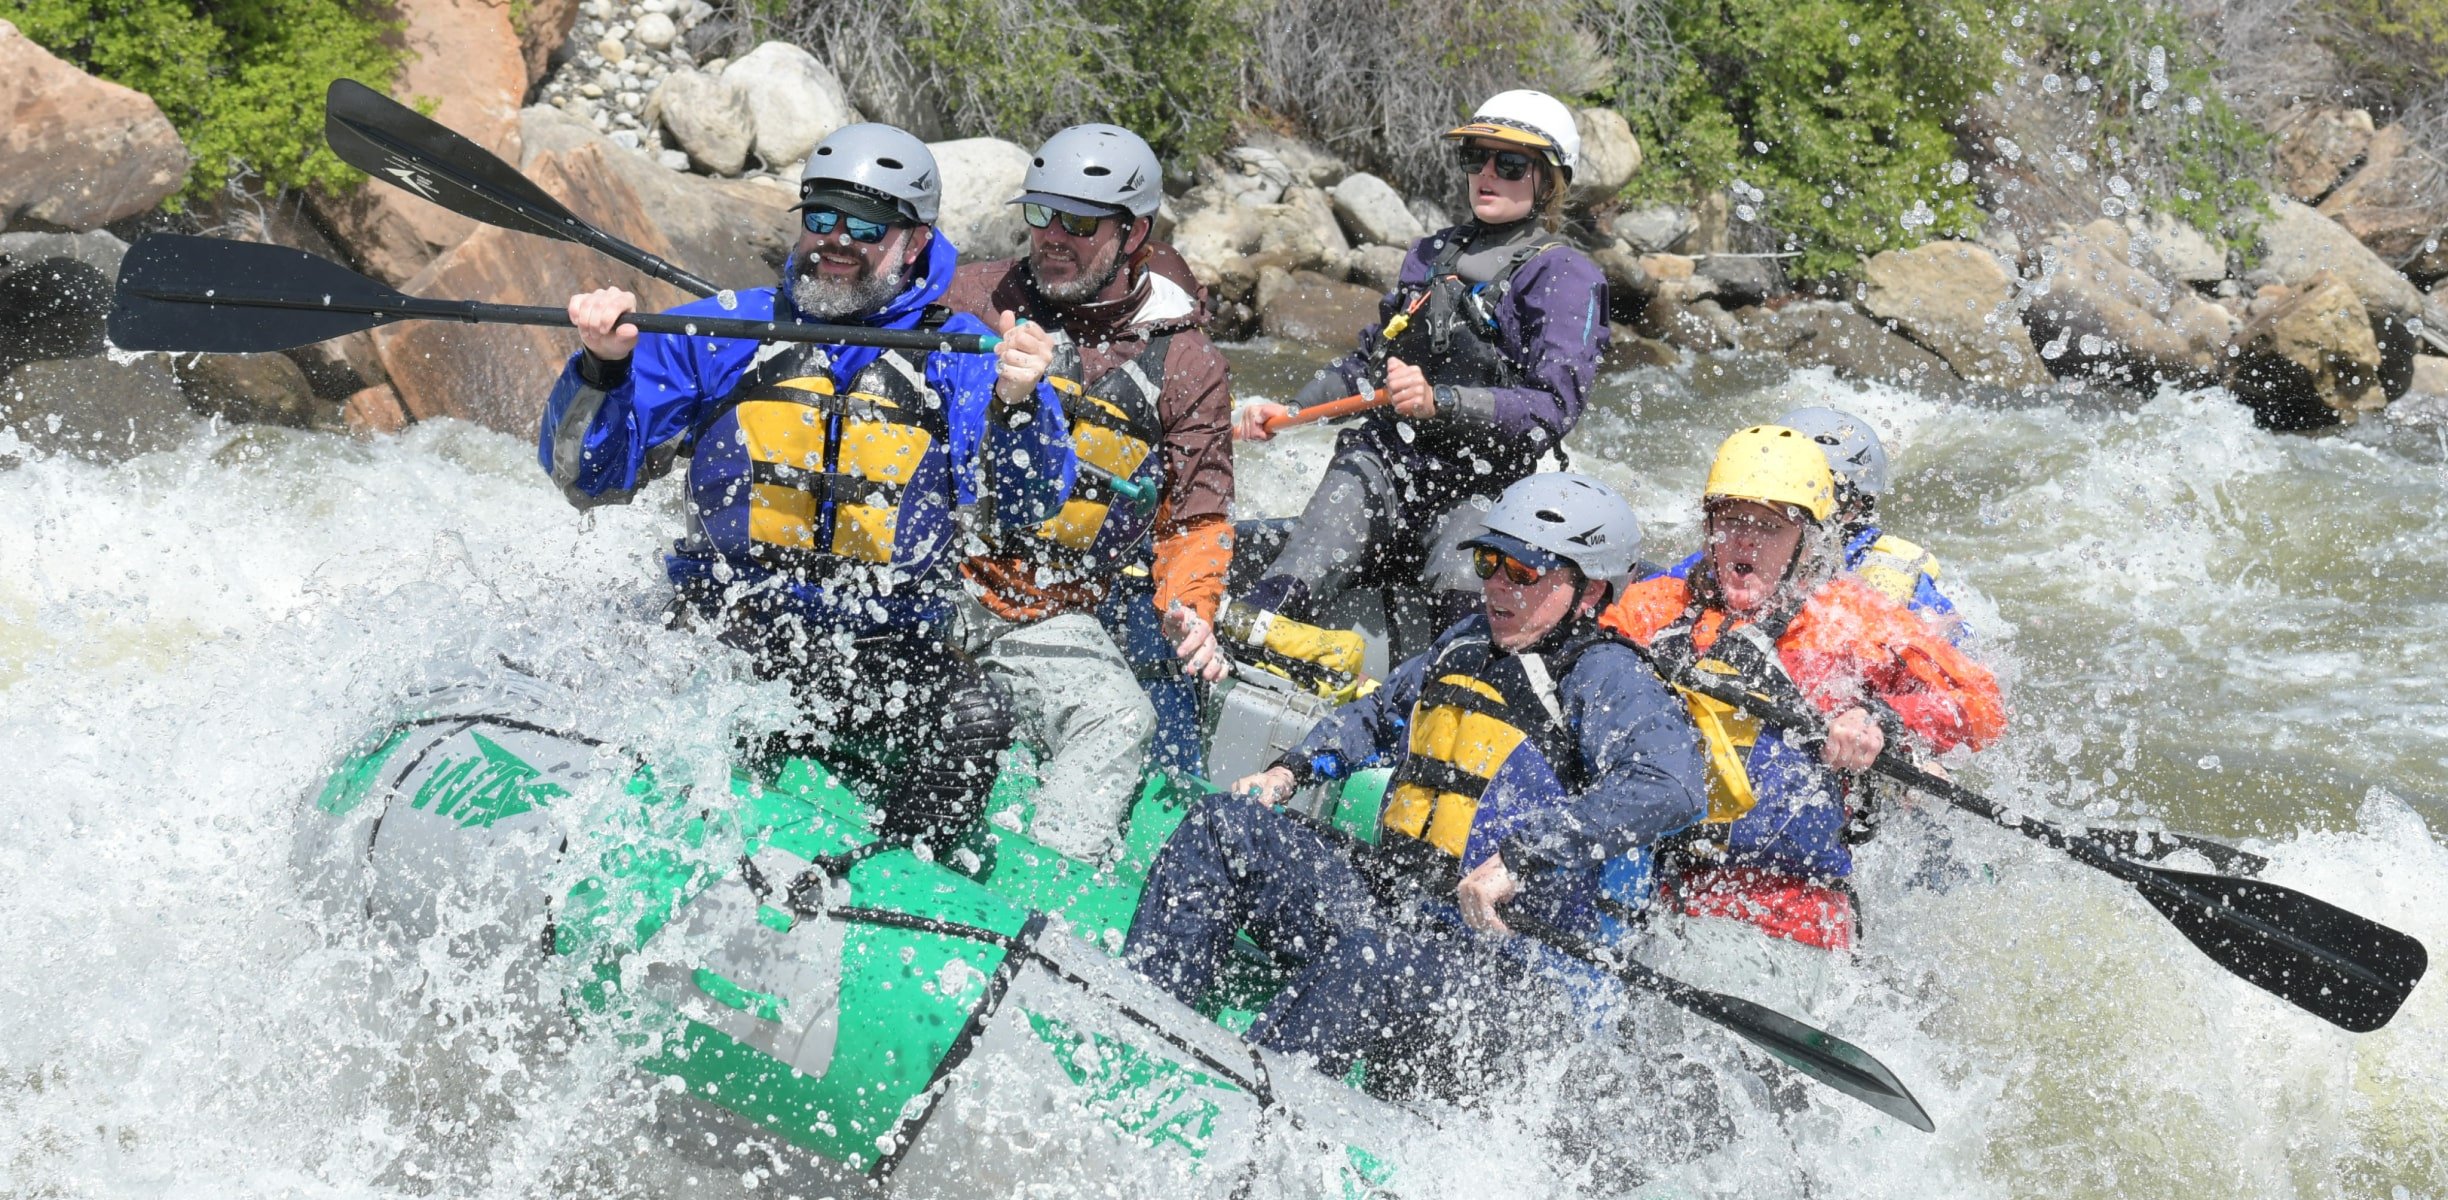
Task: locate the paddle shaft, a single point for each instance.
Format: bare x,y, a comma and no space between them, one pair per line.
1348,406
403,307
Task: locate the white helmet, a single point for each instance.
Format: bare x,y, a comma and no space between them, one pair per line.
1852,447
1107,167
1525,118
1567,516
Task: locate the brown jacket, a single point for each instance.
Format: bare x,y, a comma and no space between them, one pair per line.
1193,530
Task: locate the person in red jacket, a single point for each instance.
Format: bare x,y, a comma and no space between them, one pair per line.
1768,607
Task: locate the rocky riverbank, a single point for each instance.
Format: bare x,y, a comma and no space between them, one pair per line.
663,122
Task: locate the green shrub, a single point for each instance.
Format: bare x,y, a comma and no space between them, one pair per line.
1828,119
2394,50
2163,125
239,79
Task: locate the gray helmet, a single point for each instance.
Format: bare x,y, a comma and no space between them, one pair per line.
1095,170
873,161
1572,517
1852,447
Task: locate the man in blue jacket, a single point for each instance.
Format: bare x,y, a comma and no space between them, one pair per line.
824,480
1530,748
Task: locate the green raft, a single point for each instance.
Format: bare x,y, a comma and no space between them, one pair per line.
956,1027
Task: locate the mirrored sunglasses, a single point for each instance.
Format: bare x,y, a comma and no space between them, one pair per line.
1040,215
823,221
1486,563
1510,164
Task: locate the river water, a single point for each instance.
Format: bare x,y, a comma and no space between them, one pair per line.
2201,625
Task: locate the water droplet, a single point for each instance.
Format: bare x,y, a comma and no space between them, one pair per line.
727,298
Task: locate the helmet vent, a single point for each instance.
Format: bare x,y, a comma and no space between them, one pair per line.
891,164
1096,171
1040,162
1550,516
824,150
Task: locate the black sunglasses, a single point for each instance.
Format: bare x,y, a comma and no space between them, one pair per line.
823,221
1041,215
1511,165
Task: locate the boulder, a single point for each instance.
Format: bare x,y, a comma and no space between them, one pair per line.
543,25
99,409
2298,243
1373,212
96,248
2425,401
1301,234
1832,334
794,101
1652,228
1304,163
498,375
78,152
1740,280
1628,348
2093,311
1215,241
2170,248
372,410
53,309
465,57
2308,358
2393,204
1246,175
980,178
1304,306
2317,146
1610,155
1379,267
706,118
1681,319
253,388
1430,214
1958,301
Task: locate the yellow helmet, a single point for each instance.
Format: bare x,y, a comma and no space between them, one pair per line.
1773,465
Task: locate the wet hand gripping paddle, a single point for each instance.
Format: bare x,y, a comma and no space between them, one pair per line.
1814,1052
178,292
2348,970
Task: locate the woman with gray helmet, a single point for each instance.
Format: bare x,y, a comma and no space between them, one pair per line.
1531,747
1149,402
1486,349
823,481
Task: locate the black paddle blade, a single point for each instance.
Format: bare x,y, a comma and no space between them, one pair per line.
1817,1053
218,296
2147,845
394,143
2348,970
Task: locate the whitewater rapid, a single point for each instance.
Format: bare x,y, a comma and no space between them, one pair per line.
2200,624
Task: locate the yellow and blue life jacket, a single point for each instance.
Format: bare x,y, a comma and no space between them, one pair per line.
1115,428
1487,747
801,477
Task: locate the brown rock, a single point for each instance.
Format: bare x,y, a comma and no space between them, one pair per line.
1628,347
1825,333
1663,267
2395,204
254,388
731,231
2317,146
1681,317
1304,306
374,410
465,56
2309,359
542,26
99,409
2093,311
1958,301
498,375
75,151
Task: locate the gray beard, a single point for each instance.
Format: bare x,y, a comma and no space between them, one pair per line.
1082,289
837,300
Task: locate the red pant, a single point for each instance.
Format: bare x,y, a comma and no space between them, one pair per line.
1779,904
